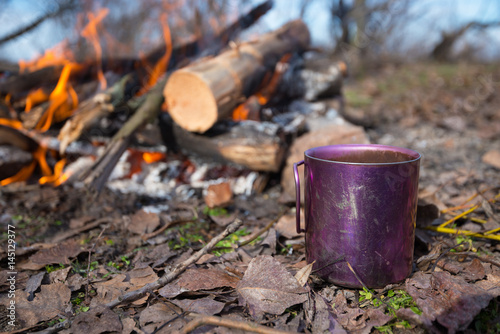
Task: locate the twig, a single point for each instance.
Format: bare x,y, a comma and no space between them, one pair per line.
356,275
170,276
217,321
258,234
88,266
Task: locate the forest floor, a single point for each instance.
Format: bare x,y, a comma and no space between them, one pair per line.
77,253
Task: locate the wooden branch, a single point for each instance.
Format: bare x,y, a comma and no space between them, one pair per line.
218,321
179,269
91,111
97,175
203,93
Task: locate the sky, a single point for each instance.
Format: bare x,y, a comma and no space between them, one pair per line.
430,17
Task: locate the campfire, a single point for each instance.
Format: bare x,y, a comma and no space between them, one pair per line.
80,119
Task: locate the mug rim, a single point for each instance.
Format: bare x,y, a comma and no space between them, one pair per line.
403,150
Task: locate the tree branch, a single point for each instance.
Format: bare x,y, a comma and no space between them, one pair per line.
61,9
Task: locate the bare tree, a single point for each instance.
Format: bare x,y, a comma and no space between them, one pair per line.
442,51
61,9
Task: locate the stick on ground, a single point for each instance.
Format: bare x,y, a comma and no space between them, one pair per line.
217,321
170,276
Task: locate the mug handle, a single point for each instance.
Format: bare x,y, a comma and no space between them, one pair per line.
297,195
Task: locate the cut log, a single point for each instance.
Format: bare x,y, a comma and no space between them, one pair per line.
260,146
200,95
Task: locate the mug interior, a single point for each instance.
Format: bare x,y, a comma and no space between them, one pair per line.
369,154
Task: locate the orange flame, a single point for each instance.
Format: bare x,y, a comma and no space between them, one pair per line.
36,97
270,83
58,55
26,172
162,64
90,33
55,177
11,123
63,100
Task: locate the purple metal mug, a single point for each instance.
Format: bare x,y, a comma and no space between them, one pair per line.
360,211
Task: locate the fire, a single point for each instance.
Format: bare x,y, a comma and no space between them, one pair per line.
251,106
26,172
58,169
63,100
90,33
162,64
36,97
11,123
58,55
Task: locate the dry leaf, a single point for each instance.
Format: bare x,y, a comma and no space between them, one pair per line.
58,254
96,321
33,284
122,283
206,279
206,305
286,225
303,274
52,300
158,314
267,287
143,222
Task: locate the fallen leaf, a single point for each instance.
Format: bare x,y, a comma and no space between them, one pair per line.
52,300
21,280
205,305
33,284
492,158
59,276
121,284
75,282
286,225
474,271
320,316
158,314
206,279
356,320
267,287
143,222
58,254
447,299
303,274
96,321
129,326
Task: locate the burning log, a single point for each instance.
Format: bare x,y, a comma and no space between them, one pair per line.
200,95
92,110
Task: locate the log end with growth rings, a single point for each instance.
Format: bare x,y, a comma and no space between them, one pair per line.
193,114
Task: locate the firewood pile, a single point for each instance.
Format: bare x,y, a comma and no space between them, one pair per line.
235,113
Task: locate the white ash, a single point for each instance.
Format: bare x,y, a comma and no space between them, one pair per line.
158,180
